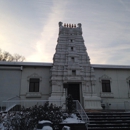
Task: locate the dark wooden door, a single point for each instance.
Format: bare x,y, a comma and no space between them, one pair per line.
74,90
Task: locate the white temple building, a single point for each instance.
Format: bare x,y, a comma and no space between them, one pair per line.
71,72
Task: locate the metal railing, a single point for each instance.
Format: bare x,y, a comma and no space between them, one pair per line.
81,112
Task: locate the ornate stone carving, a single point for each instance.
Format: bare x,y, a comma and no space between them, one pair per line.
107,95
34,75
105,77
60,24
33,95
79,25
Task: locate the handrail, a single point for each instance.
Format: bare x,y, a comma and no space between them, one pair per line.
81,111
9,108
13,98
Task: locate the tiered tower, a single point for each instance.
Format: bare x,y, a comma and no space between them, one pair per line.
72,72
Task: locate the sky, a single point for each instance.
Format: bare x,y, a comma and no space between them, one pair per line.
30,28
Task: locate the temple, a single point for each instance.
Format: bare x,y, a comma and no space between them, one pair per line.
95,86
72,72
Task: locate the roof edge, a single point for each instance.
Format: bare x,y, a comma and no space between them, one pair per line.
25,63
103,66
106,66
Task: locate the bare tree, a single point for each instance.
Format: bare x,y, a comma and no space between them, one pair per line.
18,57
6,56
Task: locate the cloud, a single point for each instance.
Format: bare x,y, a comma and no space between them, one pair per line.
126,4
33,32
16,30
108,38
45,46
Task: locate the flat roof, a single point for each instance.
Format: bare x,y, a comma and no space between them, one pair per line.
25,63
105,66
101,66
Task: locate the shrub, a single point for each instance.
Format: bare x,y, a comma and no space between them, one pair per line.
27,118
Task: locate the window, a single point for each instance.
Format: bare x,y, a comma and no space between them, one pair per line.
73,72
72,59
71,40
72,48
106,86
34,85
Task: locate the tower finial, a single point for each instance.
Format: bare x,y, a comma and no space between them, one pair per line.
79,25
60,24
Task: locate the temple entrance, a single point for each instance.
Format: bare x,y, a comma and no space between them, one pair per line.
74,90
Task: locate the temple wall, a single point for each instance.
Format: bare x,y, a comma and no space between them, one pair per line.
10,79
43,73
71,64
120,87
15,82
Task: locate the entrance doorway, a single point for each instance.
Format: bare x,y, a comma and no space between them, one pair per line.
74,90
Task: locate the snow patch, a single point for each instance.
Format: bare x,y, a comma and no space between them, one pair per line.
72,119
44,121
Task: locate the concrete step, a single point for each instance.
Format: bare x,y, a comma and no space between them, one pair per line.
109,128
109,116
110,121
111,113
107,122
109,125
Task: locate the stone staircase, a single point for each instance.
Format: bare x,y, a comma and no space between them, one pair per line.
109,121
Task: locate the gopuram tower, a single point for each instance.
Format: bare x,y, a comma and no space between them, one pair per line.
72,72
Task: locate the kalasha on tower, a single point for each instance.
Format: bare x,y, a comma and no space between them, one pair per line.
72,72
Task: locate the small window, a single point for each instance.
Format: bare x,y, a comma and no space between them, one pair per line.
72,48
106,86
72,59
71,40
34,85
73,72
